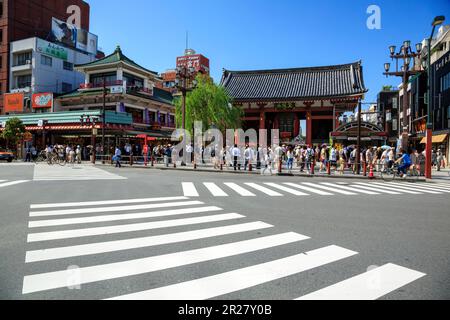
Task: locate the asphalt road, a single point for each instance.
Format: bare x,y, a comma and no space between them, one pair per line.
406,230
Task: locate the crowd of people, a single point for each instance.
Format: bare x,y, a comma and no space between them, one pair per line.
304,158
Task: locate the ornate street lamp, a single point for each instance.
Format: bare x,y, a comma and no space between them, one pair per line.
90,122
185,82
405,54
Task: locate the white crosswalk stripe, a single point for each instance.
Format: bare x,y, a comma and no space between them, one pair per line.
265,190
308,189
372,188
4,184
412,188
215,190
272,189
334,189
238,189
217,285
189,190
371,285
120,245
78,233
44,172
383,186
286,189
350,189
51,247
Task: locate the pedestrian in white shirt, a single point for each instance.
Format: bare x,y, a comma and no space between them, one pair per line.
236,154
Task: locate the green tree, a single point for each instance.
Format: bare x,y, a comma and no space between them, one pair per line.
13,132
210,104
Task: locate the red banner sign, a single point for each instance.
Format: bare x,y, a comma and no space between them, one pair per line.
42,100
196,61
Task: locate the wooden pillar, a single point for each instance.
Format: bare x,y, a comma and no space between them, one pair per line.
296,125
262,116
309,128
309,137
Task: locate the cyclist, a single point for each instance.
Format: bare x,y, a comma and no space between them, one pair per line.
404,163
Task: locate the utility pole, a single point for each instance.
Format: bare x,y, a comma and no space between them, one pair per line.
103,120
358,143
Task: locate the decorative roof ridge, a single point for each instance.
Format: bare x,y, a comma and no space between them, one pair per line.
301,69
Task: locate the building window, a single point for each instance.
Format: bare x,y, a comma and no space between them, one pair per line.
66,87
46,61
68,66
97,79
1,35
1,9
445,82
23,59
24,81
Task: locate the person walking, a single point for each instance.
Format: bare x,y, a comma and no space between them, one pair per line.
248,154
290,158
439,159
268,159
117,156
78,153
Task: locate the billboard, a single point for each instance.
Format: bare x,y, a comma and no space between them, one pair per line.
42,100
73,37
51,49
196,61
13,102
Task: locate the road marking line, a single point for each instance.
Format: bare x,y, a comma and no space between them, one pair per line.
265,190
286,189
316,191
102,203
12,183
189,190
373,188
215,190
388,187
330,189
350,189
444,185
113,209
371,285
413,188
118,217
433,188
144,242
239,190
224,283
58,279
78,233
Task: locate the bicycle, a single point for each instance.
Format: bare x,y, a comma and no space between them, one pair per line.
42,157
391,173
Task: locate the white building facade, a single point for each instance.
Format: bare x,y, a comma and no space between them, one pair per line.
39,66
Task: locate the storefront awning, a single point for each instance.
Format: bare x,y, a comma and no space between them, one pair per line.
436,139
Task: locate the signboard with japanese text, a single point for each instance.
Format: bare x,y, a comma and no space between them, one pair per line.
51,49
13,102
42,100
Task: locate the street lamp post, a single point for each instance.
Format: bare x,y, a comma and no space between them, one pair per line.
185,82
89,122
103,120
428,171
405,54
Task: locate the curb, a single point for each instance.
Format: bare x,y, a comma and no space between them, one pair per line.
257,173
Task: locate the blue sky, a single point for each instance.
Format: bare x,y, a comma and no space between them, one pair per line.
261,34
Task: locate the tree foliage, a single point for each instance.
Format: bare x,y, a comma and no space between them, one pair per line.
14,130
210,104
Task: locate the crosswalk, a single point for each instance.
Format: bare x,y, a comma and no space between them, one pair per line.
44,172
80,236
302,189
6,183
